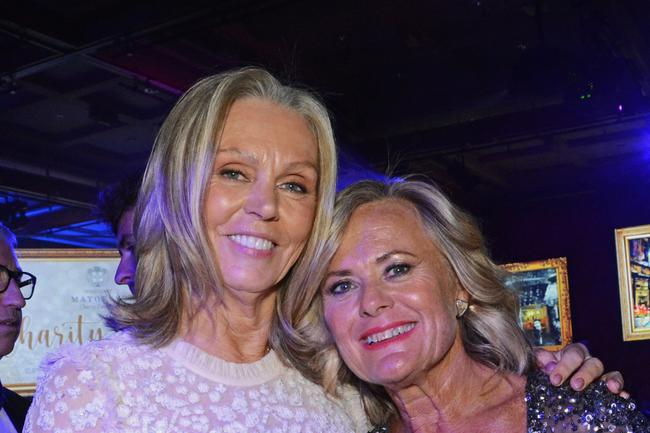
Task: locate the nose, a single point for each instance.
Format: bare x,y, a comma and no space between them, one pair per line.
12,296
374,300
262,200
125,273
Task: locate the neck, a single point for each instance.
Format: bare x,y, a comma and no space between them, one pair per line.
235,329
455,390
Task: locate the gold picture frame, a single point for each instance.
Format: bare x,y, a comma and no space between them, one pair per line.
67,305
633,258
545,313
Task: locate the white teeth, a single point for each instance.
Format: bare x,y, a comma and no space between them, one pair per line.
390,333
252,242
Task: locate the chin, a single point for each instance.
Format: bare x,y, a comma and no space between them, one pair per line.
248,285
389,378
6,348
390,372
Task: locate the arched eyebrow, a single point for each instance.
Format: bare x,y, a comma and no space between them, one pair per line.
252,159
387,255
341,273
298,165
382,258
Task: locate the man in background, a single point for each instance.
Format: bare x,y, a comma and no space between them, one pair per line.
16,286
116,206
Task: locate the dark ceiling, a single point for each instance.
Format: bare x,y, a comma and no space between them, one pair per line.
516,100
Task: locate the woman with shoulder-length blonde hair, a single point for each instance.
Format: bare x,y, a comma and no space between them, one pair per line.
237,194
406,304
239,184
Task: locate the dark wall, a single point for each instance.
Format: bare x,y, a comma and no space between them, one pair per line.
581,228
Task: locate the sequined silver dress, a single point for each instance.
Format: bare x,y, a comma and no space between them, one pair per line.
561,409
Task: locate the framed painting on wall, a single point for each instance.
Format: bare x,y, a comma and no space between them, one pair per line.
633,253
543,289
67,307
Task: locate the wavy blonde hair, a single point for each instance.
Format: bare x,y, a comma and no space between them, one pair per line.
176,263
489,329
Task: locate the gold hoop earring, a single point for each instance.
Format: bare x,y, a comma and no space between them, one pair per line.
461,307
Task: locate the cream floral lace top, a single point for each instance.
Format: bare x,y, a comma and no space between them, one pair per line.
119,385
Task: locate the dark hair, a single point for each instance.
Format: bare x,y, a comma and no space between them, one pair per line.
117,198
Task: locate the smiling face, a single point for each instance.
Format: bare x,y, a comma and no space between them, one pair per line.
11,303
388,296
261,201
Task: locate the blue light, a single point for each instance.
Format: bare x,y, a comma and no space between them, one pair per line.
352,170
61,240
43,210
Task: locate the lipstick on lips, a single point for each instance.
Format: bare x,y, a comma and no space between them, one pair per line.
381,336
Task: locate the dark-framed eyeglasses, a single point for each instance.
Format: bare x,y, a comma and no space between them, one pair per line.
25,281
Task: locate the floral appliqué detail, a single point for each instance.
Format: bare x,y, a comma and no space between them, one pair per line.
119,385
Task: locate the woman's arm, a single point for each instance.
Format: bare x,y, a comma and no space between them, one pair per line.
70,397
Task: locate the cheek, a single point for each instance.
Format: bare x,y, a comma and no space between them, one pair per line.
334,320
337,319
441,331
447,327
329,313
218,204
299,220
438,310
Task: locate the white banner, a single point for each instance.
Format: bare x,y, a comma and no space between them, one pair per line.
71,288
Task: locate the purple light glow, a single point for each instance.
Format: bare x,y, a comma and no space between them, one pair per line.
620,107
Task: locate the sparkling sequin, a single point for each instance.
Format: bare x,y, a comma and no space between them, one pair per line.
561,409
594,409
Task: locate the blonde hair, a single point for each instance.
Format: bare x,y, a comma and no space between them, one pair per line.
489,329
175,260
